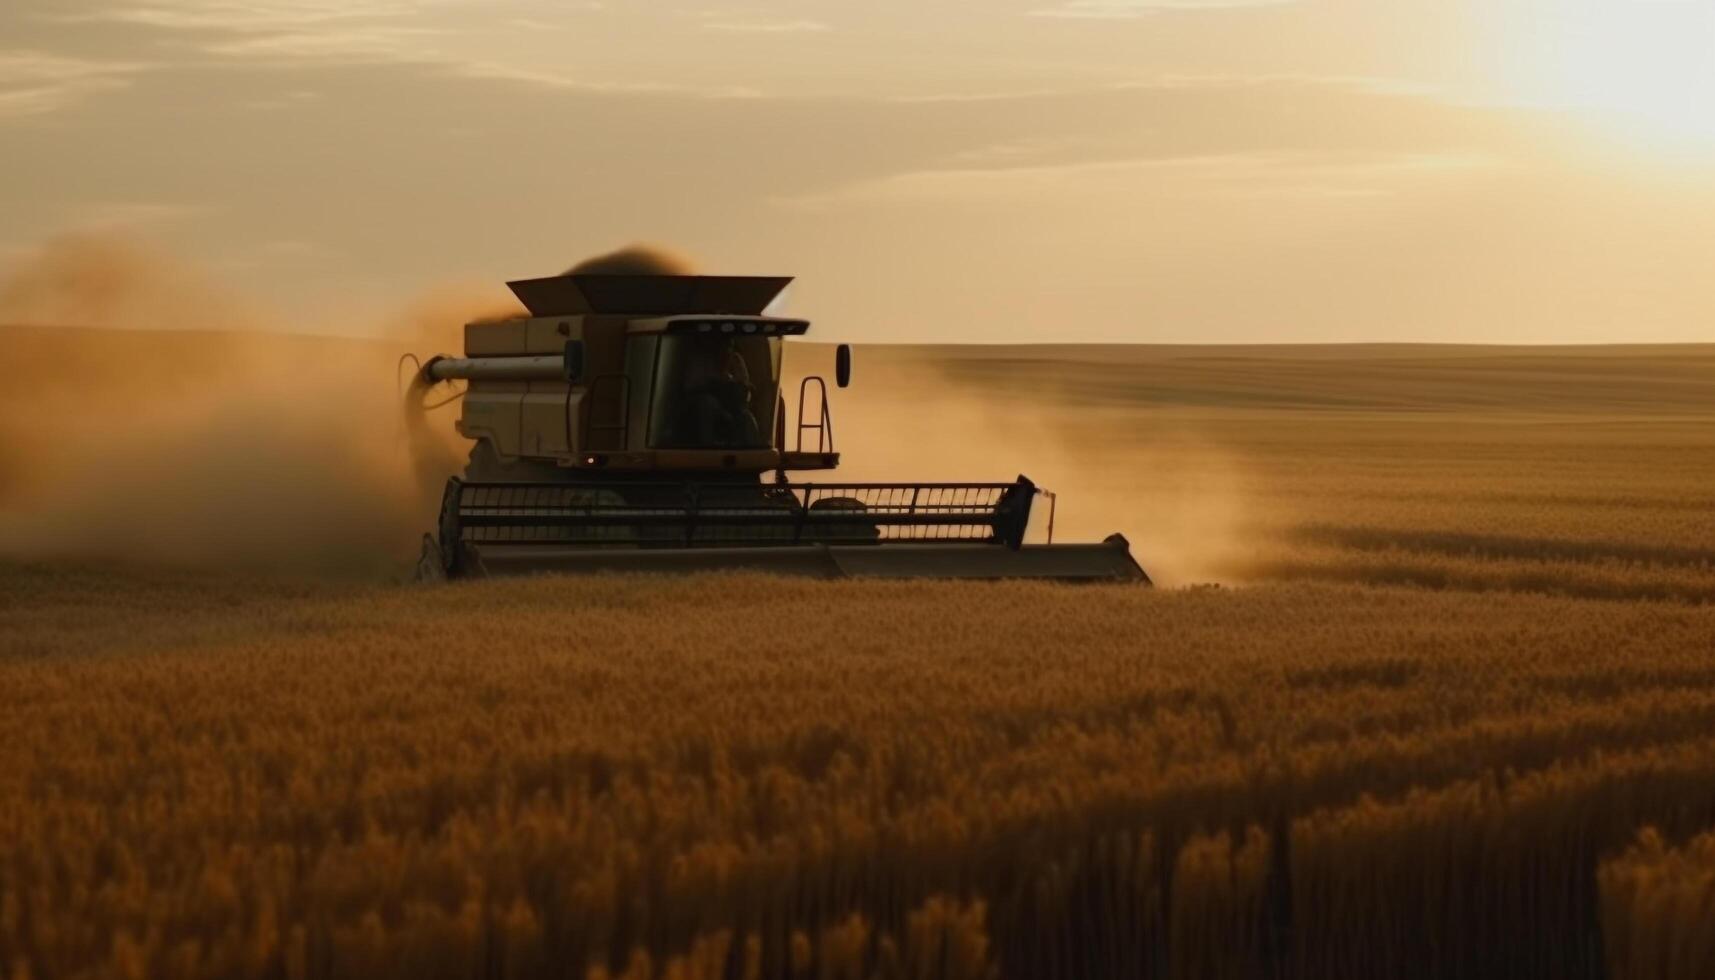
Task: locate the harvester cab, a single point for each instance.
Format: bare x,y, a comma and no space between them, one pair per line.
627,424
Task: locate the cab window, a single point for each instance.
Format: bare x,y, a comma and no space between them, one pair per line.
714,391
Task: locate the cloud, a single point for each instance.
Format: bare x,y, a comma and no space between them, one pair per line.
1026,150
769,26
317,34
352,45
1188,83
1268,174
245,15
37,82
1276,121
495,71
538,24
1129,9
276,32
108,217
284,100
1362,84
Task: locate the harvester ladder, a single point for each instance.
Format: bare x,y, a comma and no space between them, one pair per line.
619,411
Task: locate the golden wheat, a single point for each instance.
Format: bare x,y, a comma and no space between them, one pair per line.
733,776
1658,909
1474,661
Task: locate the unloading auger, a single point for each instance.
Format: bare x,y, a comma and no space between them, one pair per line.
626,424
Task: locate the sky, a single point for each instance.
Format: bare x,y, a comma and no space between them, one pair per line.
1221,171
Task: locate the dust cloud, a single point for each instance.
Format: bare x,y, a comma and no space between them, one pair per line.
99,281
148,415
204,439
213,439
636,260
1175,495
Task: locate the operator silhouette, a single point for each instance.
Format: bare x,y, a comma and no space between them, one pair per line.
718,392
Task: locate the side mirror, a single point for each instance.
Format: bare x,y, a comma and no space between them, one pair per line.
843,365
574,360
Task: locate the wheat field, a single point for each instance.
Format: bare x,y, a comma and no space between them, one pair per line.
1430,693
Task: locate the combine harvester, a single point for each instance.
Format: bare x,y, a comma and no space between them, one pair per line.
626,425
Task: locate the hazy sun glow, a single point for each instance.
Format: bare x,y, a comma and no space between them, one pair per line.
1645,66
964,170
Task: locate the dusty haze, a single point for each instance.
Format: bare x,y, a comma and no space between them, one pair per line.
1015,171
212,441
208,445
1229,464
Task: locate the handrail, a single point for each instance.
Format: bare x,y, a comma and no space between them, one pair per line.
825,427
827,423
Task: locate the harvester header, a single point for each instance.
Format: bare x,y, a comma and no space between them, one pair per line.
627,422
